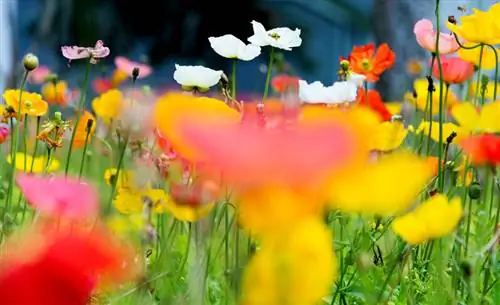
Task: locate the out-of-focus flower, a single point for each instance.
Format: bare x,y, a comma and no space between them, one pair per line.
199,77
482,149
124,180
4,132
55,93
388,136
488,94
281,38
415,67
171,108
454,70
95,53
488,61
383,187
109,105
59,196
374,102
32,103
39,163
190,203
83,128
433,219
39,75
364,60
419,96
124,225
479,27
127,66
448,129
43,259
120,76
426,38
102,85
295,269
473,119
229,46
130,201
283,82
464,174
338,93
135,117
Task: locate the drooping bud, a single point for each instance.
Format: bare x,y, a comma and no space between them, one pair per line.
475,190
30,62
90,123
452,19
135,73
466,268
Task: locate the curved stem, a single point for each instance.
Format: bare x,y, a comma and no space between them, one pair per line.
118,169
38,121
496,70
441,112
78,115
84,152
268,77
479,74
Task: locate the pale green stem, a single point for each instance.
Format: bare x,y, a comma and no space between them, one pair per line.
269,71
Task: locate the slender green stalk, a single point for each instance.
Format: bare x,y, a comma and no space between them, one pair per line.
390,273
118,170
227,228
25,142
496,70
38,121
85,145
13,152
367,100
341,267
478,82
269,71
78,115
236,257
233,80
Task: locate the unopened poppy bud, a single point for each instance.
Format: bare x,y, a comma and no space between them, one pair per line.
30,62
466,268
135,73
53,78
89,124
475,190
415,95
452,19
344,64
364,261
451,137
57,115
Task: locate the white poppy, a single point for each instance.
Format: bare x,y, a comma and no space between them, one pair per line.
317,93
196,76
281,38
229,46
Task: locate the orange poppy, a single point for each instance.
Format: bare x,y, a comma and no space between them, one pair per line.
82,129
364,60
374,102
482,149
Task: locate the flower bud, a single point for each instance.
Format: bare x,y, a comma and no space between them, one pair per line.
475,190
466,268
58,115
135,73
90,123
452,19
30,62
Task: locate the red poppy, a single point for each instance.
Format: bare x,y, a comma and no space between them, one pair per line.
56,268
283,82
374,102
482,149
101,85
364,60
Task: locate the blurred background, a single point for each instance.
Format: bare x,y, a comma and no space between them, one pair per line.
164,32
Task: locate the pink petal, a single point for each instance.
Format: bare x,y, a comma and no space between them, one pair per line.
127,66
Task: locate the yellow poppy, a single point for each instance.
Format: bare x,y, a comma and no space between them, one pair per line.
435,218
39,163
118,77
171,109
55,94
394,107
125,179
188,213
125,224
130,201
462,171
448,129
32,103
479,27
294,268
488,61
420,100
388,136
488,94
108,105
82,129
384,187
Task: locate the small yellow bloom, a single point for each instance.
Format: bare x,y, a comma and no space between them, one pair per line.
39,163
479,26
129,201
32,103
125,224
461,173
490,90
81,129
296,268
109,105
385,187
448,128
388,136
118,77
473,56
471,118
420,101
55,94
125,179
188,213
435,218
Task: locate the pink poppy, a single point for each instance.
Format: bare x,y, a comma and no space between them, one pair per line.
39,75
455,70
426,38
101,85
127,66
75,52
59,195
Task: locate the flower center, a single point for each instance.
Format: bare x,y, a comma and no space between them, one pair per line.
275,36
366,65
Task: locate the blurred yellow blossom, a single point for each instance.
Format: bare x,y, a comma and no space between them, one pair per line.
32,103
388,136
435,218
475,119
293,268
479,27
55,93
419,97
490,89
188,213
125,179
125,224
108,105
448,128
39,163
464,172
488,61
130,201
82,129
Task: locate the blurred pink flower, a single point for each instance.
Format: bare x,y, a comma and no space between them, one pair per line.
426,38
127,66
75,52
59,195
38,75
4,132
455,70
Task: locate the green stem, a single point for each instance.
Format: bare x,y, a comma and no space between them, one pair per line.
227,228
84,152
496,70
38,121
389,274
268,77
118,169
341,267
78,115
25,141
469,221
13,152
478,82
233,80
367,100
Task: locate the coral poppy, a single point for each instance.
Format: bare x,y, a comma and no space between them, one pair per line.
39,75
55,93
364,60
426,38
82,129
127,66
102,85
374,102
454,70
281,83
482,149
32,103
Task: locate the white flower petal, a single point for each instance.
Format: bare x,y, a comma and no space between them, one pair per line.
317,93
281,38
229,46
196,76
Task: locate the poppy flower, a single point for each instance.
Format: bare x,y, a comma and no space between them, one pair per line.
55,94
102,85
338,93
4,132
82,129
479,27
283,82
59,196
426,38
37,165
61,267
199,77
454,70
32,104
39,75
127,66
482,149
366,61
475,56
108,105
374,102
419,96
281,38
93,53
229,46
